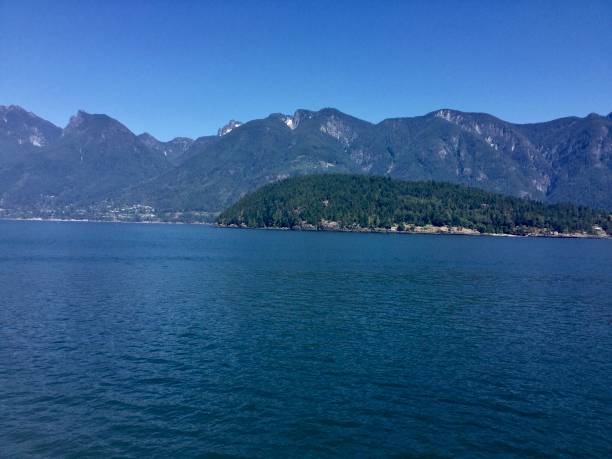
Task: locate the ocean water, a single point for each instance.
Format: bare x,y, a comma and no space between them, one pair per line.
122,340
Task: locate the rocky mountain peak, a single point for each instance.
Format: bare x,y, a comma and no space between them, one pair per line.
288,120
148,139
447,114
25,128
300,115
13,108
336,127
16,110
94,123
229,127
77,119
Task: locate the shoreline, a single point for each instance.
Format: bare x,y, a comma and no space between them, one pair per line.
76,220
436,231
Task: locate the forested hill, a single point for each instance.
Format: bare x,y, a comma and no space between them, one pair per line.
360,202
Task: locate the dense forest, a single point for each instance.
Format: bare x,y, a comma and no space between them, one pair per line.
365,202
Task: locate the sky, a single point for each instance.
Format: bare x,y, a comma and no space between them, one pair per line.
184,68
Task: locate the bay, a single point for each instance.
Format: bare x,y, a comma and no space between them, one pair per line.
184,340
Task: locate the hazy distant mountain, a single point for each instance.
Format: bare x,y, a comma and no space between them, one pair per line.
96,158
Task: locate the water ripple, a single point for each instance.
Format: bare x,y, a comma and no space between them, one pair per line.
147,340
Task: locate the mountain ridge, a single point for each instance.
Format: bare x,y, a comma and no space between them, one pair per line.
567,159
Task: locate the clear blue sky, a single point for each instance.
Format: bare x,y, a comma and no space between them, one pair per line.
184,68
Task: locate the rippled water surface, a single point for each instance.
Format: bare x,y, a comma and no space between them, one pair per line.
175,340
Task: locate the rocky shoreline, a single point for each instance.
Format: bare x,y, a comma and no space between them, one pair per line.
333,227
414,229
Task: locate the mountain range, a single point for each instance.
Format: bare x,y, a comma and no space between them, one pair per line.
96,162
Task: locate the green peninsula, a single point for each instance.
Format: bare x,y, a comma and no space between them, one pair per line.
345,202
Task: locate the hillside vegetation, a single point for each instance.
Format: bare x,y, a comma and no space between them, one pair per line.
358,202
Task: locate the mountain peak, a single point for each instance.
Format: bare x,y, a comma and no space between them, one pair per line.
327,111
83,121
25,128
301,114
447,114
16,110
8,108
286,119
230,126
77,119
148,139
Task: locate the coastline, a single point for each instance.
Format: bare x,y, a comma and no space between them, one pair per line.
432,230
76,220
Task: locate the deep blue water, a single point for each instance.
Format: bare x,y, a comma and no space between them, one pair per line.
177,340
